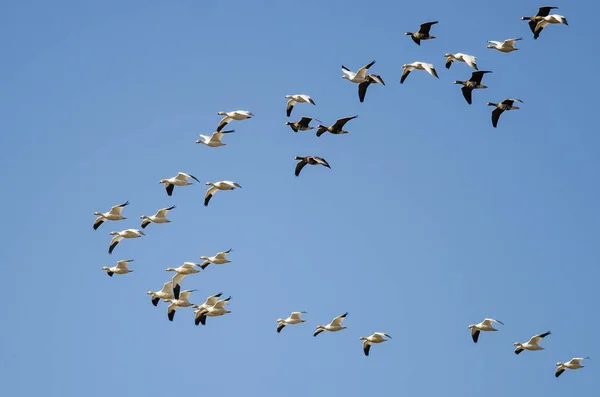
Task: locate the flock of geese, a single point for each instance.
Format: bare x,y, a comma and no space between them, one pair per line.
215,305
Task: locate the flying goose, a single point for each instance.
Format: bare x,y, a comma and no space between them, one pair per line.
222,185
409,67
181,179
377,337
218,309
473,83
113,215
362,79
531,344
200,309
167,291
159,217
235,115
545,21
485,325
301,125
312,160
571,364
336,128
214,140
127,233
182,301
506,104
121,268
219,259
298,98
183,270
334,326
542,12
504,46
294,318
423,33
468,59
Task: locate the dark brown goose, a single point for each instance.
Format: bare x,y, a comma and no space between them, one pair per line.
423,33
312,160
543,11
336,128
501,107
302,125
473,83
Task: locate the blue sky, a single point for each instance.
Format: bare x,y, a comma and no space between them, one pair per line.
429,219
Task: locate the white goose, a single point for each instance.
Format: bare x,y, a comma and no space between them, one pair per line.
222,185
167,291
294,318
181,179
531,344
127,233
485,325
121,268
377,337
214,140
505,46
113,215
183,301
200,309
334,326
219,259
298,98
359,77
573,363
468,59
230,116
218,309
159,217
409,67
545,21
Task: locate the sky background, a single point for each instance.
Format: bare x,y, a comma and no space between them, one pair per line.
428,220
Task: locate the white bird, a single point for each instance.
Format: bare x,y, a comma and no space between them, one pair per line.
235,115
214,140
185,269
505,46
218,309
468,59
159,217
485,325
573,363
531,344
362,79
545,21
298,98
127,233
409,67
113,215
121,268
334,326
181,179
167,291
219,259
183,301
294,318
222,185
377,337
200,309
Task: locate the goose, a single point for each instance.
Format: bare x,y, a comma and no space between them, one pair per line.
121,268
186,269
219,259
571,364
294,318
542,12
159,217
167,291
370,79
423,33
505,46
181,179
545,21
222,185
127,233
531,344
473,83
235,115
298,98
409,67
210,301
218,309
312,160
334,326
377,337
113,215
214,140
485,325
336,128
506,104
362,79
468,59
182,301
301,125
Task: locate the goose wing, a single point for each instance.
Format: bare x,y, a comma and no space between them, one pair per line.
175,285
489,321
299,167
169,187
511,42
366,347
426,27
289,107
559,371
98,222
348,72
321,161
405,73
362,71
209,193
221,304
467,93
184,295
339,124
338,320
211,300
183,176
123,264
449,61
113,243
544,11
280,326
116,210
510,101
430,69
496,116
161,213
304,122
224,121
222,255
375,78
478,75
538,338
362,90
475,334
296,315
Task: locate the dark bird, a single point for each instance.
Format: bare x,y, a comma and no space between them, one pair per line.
533,21
423,33
473,83
302,125
312,160
336,128
506,104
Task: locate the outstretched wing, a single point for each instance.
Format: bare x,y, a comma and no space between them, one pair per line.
116,210
322,161
299,167
404,75
362,71
496,116
467,93
426,27
475,334
338,320
362,90
341,122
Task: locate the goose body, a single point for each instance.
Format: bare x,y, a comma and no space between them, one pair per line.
218,259
182,301
336,128
533,21
422,34
460,57
113,215
377,337
294,318
312,160
184,270
201,309
159,217
485,325
531,344
181,179
298,98
214,140
302,125
218,309
409,67
230,116
473,83
127,233
222,185
120,268
334,326
167,291
504,46
501,107
547,20
574,363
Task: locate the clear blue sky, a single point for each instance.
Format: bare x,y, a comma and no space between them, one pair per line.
429,219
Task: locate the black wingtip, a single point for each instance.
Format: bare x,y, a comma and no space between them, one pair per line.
155,301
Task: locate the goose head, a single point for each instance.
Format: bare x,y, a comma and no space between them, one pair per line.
491,46
210,183
491,104
408,34
105,268
298,158
98,213
162,181
362,338
517,344
222,113
170,269
459,82
150,293
448,54
558,364
525,18
114,233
